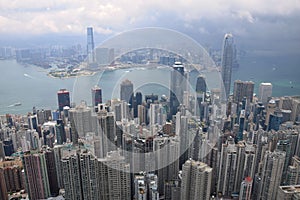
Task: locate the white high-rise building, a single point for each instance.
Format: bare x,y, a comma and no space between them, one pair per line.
271,174
80,118
115,177
227,168
167,159
196,180
107,132
265,92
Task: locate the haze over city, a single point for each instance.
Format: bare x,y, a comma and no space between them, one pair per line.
265,26
149,100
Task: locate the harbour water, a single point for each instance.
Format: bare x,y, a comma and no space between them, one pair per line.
30,85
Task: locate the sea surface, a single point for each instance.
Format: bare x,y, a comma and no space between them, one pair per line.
30,85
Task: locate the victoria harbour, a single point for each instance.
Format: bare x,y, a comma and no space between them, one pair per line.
31,86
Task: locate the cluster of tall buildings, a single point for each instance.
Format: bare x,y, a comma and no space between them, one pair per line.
187,146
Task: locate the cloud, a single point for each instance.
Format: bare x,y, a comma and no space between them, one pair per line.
38,17
245,15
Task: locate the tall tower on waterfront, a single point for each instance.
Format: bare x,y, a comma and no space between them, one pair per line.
96,96
126,91
243,89
90,45
63,97
201,93
177,86
265,91
227,62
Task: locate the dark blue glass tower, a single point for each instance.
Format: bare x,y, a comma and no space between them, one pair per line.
63,97
96,96
177,86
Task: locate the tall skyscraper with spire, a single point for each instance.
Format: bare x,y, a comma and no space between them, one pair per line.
90,45
227,62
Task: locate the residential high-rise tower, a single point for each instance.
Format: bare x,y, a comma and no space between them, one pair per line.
271,174
196,180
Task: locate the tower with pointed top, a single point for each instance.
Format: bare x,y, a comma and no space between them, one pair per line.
227,62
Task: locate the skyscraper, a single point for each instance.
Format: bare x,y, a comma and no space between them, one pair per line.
90,45
80,118
201,91
114,177
265,91
177,86
107,132
166,161
96,96
243,89
271,174
12,180
126,91
196,180
63,97
227,62
227,168
60,132
3,189
71,174
52,171
36,176
293,173
138,100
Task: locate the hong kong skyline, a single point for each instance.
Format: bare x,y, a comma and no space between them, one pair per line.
158,100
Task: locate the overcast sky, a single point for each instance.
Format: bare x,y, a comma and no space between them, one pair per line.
261,24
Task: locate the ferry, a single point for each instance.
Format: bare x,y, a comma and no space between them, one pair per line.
17,104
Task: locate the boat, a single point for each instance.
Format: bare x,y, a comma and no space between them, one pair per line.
17,104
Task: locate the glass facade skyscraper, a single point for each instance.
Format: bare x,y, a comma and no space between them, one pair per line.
177,86
126,91
90,45
227,62
63,97
96,96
